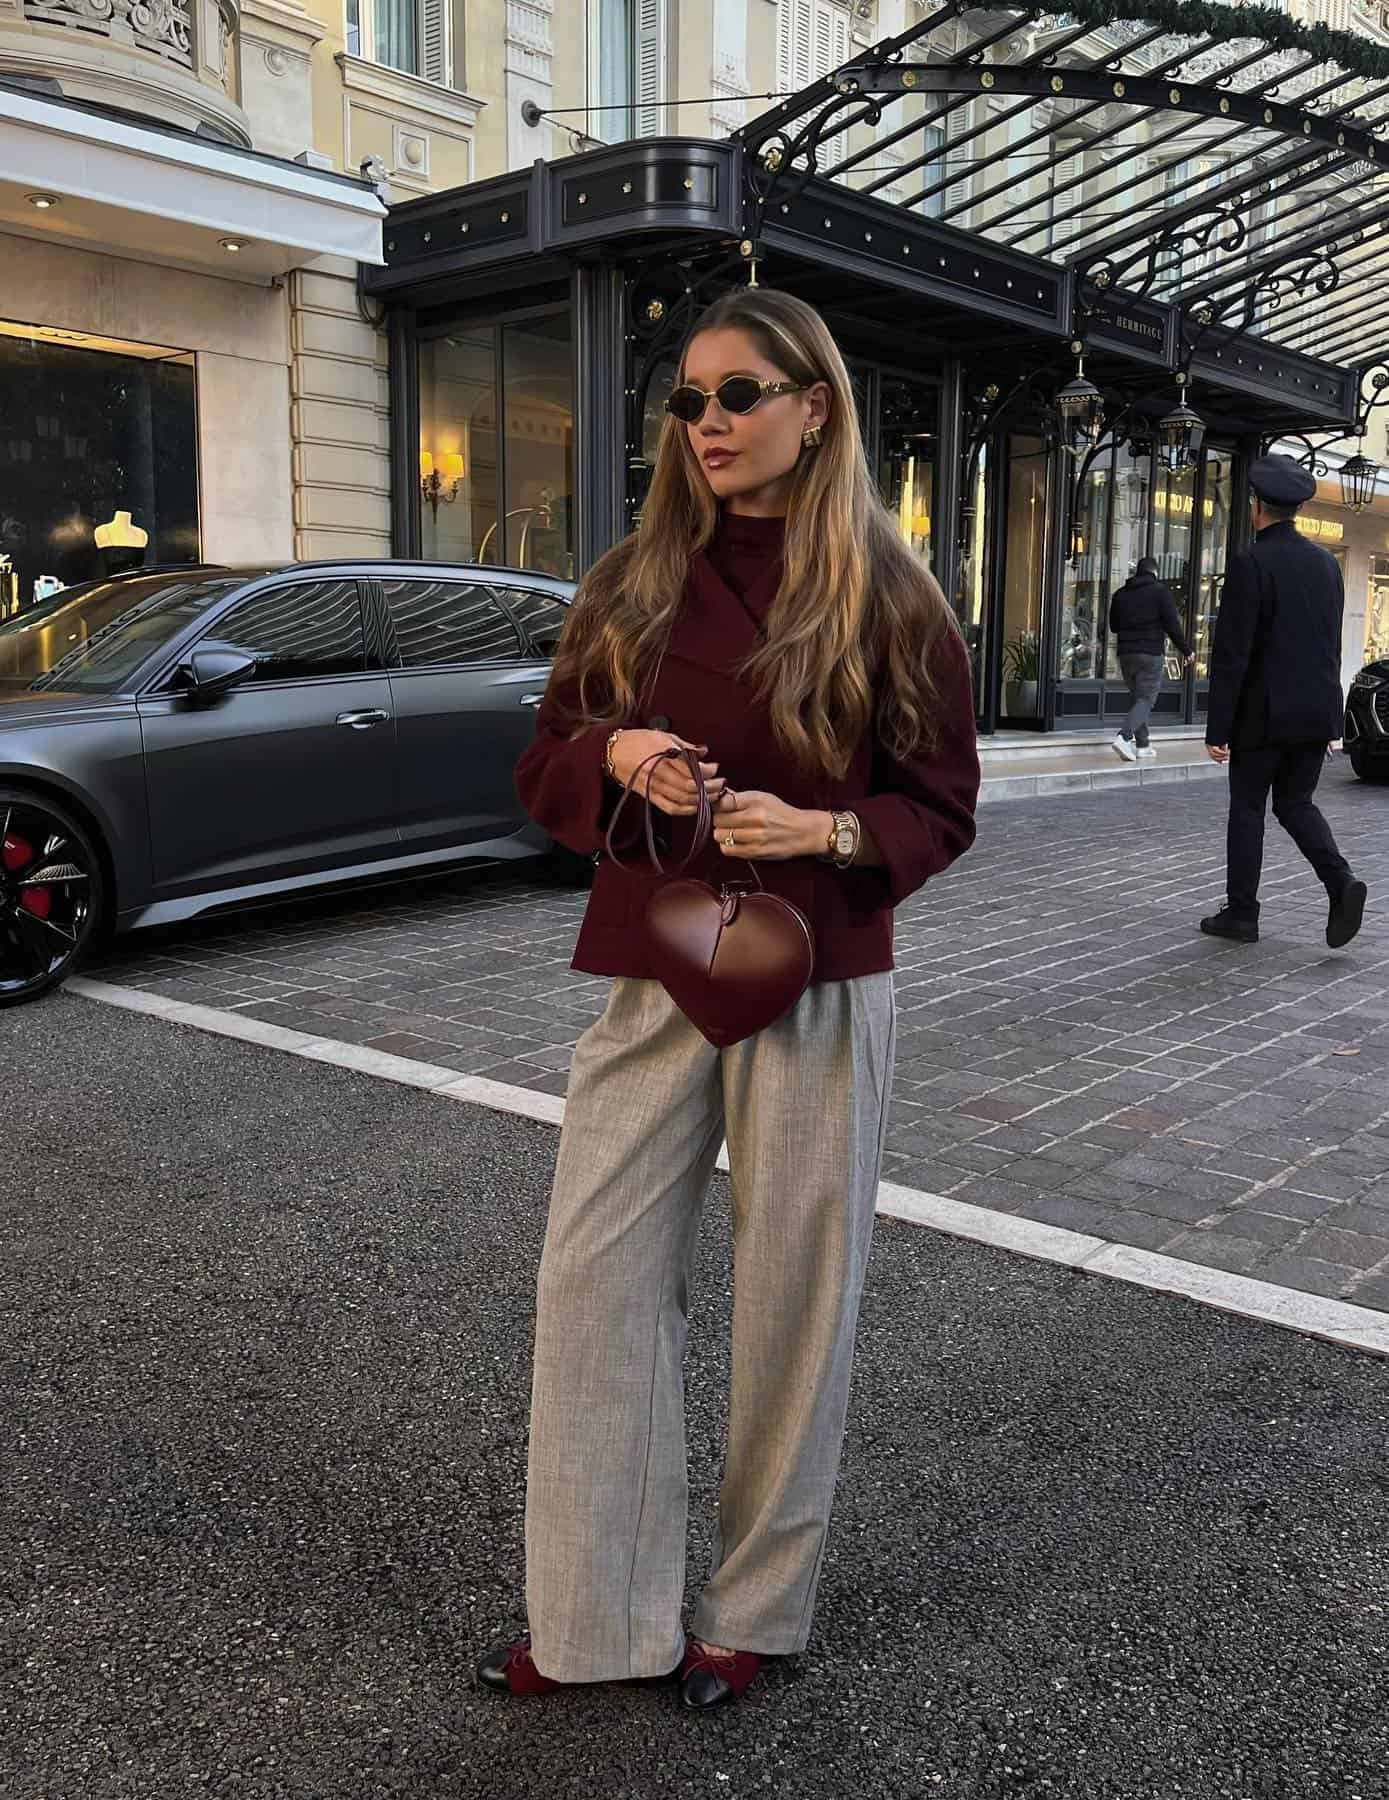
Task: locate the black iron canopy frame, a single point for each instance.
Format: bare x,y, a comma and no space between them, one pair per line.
1187,191
1151,151
1156,153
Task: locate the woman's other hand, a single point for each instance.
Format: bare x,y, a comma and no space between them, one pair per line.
764,829
672,786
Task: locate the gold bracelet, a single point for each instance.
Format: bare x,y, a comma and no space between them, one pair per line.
608,768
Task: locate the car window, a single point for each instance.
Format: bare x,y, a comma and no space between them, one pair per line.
448,622
98,644
303,629
541,617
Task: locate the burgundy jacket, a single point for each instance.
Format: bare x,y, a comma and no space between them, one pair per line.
920,812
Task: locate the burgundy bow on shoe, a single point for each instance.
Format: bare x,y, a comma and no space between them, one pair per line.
708,1677
510,1669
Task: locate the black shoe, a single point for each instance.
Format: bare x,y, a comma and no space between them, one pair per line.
707,1680
1225,924
509,1669
1347,910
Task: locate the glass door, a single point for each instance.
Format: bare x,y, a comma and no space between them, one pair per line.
1026,511
1217,503
907,445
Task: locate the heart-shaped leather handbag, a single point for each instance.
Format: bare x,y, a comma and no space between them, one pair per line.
734,958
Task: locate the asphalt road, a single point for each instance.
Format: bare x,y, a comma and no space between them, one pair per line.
264,1371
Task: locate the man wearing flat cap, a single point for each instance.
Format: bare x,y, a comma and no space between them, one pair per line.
1276,702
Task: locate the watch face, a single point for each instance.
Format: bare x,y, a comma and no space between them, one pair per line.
844,840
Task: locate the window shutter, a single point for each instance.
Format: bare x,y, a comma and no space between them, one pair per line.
831,38
436,41
650,67
795,44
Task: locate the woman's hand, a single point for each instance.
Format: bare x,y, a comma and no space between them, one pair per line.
672,788
762,828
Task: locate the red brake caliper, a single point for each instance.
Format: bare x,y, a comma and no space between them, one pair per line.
16,854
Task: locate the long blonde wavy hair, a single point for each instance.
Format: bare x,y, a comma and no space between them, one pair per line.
851,632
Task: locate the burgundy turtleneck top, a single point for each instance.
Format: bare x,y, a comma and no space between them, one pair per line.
744,549
920,809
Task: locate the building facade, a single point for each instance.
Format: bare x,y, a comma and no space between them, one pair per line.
968,194
166,259
1179,206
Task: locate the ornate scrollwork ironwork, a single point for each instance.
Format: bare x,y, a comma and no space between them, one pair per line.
1221,231
1219,322
785,163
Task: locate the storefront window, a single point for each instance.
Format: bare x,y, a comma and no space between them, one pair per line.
1173,526
907,457
1024,572
1128,536
497,446
1216,503
1377,611
969,597
1085,581
98,466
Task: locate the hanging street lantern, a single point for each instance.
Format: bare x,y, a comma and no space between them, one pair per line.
1080,408
1358,478
1179,437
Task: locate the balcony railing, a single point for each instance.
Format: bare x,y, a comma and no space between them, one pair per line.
200,36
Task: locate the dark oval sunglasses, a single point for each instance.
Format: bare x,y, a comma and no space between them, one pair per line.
739,394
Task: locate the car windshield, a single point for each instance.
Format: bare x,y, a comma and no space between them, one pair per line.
93,641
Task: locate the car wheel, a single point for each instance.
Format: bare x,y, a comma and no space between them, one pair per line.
1370,768
52,895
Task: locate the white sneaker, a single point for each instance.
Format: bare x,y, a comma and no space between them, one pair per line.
1147,753
1123,747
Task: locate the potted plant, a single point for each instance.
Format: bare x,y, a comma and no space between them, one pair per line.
1022,669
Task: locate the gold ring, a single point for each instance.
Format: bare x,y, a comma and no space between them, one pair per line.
728,841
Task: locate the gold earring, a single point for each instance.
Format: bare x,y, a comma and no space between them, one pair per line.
811,437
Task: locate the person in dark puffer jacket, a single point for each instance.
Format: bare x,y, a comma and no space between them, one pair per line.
1142,615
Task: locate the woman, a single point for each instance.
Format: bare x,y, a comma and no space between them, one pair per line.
767,616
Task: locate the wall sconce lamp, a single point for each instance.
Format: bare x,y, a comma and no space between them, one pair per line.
439,486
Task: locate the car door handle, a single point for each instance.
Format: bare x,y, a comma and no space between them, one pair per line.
531,699
363,721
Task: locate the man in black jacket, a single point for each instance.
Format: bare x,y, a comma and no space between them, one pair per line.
1142,615
1276,702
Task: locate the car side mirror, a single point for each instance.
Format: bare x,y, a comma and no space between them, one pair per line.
213,670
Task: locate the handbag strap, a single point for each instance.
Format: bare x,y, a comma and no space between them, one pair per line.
703,826
704,816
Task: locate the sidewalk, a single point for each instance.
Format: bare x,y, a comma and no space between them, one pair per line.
266,1381
1070,1050
1028,765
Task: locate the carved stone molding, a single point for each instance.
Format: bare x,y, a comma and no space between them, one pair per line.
161,27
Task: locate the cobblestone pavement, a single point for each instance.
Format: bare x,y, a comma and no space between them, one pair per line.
1070,1049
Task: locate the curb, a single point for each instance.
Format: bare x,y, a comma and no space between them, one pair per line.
1333,1321
1095,781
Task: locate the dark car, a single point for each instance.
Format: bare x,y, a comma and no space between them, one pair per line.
185,741
1366,736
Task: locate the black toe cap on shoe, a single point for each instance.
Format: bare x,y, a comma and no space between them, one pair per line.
702,1688
492,1670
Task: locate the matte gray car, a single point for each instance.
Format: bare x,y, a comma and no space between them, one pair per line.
186,741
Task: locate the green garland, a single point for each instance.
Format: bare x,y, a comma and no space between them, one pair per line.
1355,55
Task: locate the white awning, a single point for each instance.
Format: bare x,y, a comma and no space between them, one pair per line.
166,196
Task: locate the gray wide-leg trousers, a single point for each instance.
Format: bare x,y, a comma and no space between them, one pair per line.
804,1108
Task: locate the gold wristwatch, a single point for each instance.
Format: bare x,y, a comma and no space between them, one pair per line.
843,839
